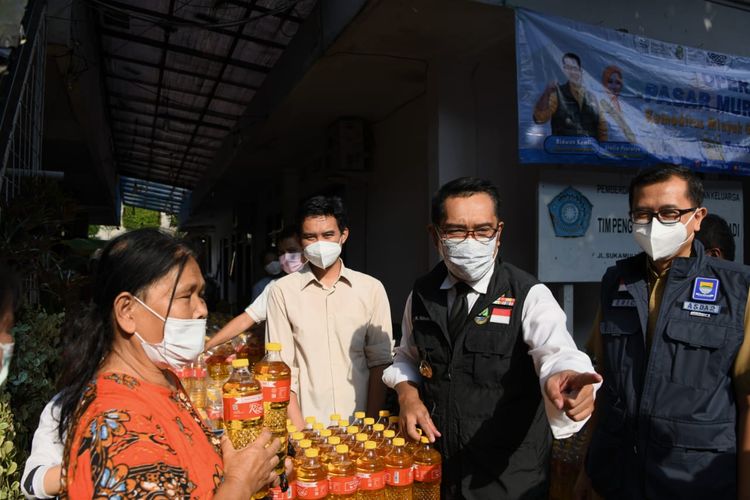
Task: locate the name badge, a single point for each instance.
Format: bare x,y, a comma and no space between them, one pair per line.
701,308
623,303
705,289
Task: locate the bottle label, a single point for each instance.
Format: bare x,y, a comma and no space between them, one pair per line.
427,473
399,477
371,480
276,391
343,485
243,407
289,494
312,489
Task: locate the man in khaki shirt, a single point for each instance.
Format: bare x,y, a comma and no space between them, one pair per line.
333,323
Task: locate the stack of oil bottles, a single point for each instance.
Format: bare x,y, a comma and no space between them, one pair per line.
357,457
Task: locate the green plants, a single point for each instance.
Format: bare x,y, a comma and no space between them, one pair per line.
33,371
134,218
10,474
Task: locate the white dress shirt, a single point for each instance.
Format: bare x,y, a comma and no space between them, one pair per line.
543,326
46,452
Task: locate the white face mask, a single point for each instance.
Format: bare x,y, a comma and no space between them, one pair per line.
7,350
323,254
468,260
184,340
273,268
661,241
291,262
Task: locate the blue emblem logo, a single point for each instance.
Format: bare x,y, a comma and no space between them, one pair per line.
570,212
705,289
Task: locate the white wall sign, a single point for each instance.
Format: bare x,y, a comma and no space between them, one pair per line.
608,237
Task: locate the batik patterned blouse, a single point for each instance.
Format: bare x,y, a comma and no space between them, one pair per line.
134,439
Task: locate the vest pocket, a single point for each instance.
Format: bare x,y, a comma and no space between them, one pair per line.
491,351
696,353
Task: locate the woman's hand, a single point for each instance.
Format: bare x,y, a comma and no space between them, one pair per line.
249,469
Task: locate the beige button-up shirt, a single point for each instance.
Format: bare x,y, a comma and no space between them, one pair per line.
330,337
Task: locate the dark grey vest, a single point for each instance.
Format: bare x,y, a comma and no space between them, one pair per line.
484,394
667,419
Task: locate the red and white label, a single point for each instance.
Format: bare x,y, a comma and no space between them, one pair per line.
427,473
243,408
213,413
289,494
312,489
276,391
399,477
371,480
343,485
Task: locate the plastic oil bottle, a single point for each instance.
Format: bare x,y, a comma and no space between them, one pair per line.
351,436
342,475
359,446
243,408
393,424
427,471
333,423
385,447
371,474
359,419
369,422
399,474
383,416
377,434
312,477
275,378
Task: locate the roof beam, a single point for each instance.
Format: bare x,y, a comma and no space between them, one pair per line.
165,146
265,10
128,37
162,159
158,152
178,20
187,134
172,105
124,109
130,134
157,163
166,176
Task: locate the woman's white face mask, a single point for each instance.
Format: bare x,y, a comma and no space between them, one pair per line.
184,340
7,355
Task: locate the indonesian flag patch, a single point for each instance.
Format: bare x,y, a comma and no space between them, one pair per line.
501,315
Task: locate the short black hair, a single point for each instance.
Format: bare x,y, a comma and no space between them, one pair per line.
10,290
288,232
663,173
716,233
462,187
323,205
570,55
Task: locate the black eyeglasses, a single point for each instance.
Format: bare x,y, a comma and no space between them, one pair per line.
666,216
483,234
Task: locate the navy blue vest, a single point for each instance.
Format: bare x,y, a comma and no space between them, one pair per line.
484,394
572,119
667,418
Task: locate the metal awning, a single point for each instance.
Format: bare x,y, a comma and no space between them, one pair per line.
152,195
178,76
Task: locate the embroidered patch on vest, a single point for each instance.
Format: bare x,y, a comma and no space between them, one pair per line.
623,303
703,308
501,315
483,317
505,301
705,289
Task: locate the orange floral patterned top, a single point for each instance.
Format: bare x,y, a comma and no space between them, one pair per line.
134,439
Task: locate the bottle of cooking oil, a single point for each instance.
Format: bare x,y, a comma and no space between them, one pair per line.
343,425
243,407
411,444
393,424
387,445
322,445
295,438
399,474
316,436
333,423
369,422
383,416
359,419
330,449
371,474
218,364
351,436
312,477
427,471
377,434
309,423
342,475
359,446
275,379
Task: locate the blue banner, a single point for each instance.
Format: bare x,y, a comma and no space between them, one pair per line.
592,95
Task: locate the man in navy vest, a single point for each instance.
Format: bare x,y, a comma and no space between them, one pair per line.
485,362
671,418
570,110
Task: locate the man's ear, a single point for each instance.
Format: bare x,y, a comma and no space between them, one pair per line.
122,309
344,235
715,252
700,214
500,227
433,232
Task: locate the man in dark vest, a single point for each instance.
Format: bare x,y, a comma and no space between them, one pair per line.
485,362
671,418
571,110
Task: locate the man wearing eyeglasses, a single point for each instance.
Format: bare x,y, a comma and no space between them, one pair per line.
669,342
485,363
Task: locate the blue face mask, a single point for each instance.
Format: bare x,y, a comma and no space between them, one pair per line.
7,350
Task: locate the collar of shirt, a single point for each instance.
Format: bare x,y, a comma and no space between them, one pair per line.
306,276
479,286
